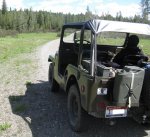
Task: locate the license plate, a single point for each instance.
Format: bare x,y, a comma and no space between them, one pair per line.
112,111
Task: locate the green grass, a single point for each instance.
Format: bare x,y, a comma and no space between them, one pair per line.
4,126
145,45
22,61
23,43
110,41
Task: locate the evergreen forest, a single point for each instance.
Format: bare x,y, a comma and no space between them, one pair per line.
27,20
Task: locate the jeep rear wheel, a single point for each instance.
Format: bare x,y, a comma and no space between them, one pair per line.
54,87
75,111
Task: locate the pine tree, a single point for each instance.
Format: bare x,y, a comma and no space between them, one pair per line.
88,13
119,16
4,7
145,4
40,19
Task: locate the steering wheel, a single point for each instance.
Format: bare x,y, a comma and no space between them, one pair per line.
135,59
87,42
76,45
77,41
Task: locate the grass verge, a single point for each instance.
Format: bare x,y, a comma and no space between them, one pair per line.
4,126
22,43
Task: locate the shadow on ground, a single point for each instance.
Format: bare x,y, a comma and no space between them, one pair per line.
46,115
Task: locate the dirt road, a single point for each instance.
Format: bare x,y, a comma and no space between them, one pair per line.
36,112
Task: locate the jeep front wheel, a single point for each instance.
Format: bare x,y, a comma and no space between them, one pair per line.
54,87
75,111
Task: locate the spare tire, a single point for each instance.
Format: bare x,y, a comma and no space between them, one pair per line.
146,89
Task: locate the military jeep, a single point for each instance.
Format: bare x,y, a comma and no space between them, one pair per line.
84,68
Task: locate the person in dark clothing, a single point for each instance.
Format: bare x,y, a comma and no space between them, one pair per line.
130,49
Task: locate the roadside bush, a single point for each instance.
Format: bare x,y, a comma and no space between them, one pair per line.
4,33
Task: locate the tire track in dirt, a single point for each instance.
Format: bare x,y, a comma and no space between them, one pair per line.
48,49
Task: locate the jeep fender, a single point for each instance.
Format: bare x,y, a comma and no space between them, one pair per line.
71,78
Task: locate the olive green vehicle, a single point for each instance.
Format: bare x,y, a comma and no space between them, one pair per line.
84,67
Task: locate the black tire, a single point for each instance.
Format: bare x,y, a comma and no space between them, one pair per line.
54,87
146,89
75,112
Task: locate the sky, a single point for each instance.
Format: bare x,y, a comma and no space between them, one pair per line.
128,8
